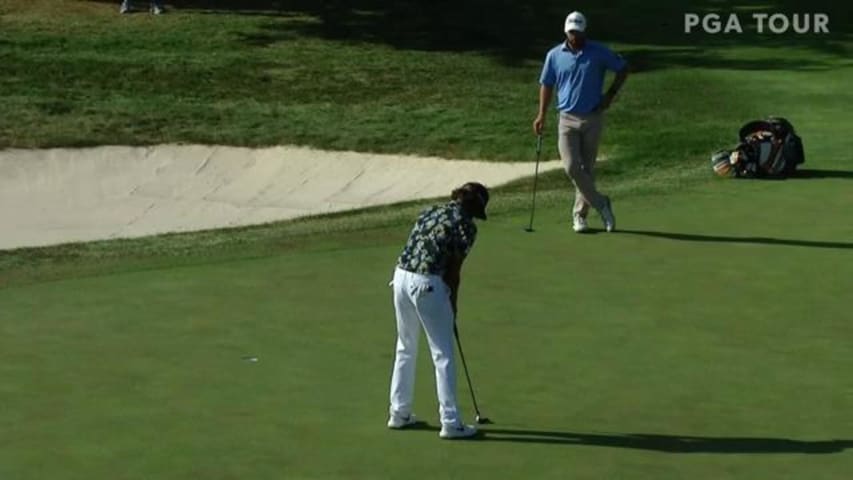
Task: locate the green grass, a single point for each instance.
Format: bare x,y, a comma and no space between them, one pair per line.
732,333
707,340
76,73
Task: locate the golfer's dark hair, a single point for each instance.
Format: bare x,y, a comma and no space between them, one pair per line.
471,192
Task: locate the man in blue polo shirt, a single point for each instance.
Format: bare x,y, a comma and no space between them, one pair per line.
575,69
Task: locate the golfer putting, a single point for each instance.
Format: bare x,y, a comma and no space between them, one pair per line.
426,287
575,69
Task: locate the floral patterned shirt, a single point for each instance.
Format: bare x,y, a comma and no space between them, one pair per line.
440,231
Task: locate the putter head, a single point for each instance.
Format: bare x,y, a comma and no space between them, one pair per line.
482,420
528,229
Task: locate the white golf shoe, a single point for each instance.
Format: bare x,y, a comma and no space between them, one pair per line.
450,432
607,215
579,224
395,422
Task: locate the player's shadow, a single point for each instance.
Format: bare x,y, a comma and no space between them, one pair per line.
689,237
670,443
424,426
811,173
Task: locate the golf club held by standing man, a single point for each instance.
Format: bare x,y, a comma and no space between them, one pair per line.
575,69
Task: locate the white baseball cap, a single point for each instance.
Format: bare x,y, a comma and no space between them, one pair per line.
575,21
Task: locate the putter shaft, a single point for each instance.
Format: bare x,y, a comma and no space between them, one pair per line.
467,376
535,181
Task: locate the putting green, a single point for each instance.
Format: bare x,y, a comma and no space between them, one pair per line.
707,339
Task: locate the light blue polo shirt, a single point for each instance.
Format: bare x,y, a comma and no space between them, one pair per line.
578,77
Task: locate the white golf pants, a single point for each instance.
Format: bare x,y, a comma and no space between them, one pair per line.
423,300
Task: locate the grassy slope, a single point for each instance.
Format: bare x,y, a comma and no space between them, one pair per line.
658,140
200,78
89,76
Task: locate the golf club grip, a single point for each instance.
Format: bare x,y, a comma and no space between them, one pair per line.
538,144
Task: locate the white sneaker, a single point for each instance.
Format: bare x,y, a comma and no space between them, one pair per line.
157,10
124,8
579,224
397,423
607,215
457,431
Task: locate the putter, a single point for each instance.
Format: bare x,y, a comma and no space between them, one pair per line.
535,179
480,419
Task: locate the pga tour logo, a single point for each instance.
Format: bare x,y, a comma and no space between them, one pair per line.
800,23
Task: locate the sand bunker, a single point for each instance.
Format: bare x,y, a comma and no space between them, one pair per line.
67,195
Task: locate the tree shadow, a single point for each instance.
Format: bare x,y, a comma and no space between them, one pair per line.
753,240
647,59
516,31
672,443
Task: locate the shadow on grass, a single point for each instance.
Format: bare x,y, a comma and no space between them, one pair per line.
805,174
421,425
655,442
515,31
810,174
689,237
645,59
671,443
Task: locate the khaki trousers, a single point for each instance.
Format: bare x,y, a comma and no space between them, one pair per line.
578,137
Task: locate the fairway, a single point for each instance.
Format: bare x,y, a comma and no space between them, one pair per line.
707,338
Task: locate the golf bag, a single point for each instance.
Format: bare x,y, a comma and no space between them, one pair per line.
768,148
